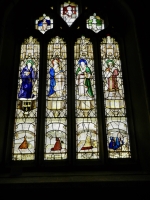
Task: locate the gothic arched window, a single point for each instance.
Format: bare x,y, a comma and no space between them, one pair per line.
70,98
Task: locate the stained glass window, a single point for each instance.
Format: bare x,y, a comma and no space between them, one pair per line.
86,120
114,100
87,142
44,23
24,140
56,105
95,23
69,12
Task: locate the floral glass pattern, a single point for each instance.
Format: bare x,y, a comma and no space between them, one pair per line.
56,101
24,140
118,144
95,23
69,12
87,142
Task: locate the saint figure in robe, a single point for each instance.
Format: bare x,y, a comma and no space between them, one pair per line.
44,24
111,73
57,146
83,80
28,76
56,79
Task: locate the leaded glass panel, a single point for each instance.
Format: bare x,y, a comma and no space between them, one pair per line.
69,12
44,23
24,140
85,93
95,23
118,143
56,101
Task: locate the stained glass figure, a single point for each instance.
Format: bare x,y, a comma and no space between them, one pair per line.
57,145
87,138
56,96
86,111
83,74
26,109
69,12
28,76
115,110
57,78
44,23
95,23
24,144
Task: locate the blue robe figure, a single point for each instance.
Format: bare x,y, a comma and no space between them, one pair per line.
40,22
52,81
115,144
44,24
112,143
27,75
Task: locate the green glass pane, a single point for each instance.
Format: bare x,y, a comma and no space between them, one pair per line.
95,23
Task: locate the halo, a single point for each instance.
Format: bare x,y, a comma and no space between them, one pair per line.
30,61
82,60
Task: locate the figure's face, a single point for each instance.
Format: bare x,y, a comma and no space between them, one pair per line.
110,64
55,62
29,65
82,64
69,9
109,54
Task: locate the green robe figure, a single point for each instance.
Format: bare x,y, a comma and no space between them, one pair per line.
83,81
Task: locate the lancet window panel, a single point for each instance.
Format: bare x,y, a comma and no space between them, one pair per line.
87,141
69,12
24,140
118,143
56,101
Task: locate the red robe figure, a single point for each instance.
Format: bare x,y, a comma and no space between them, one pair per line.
57,146
24,144
111,73
112,81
